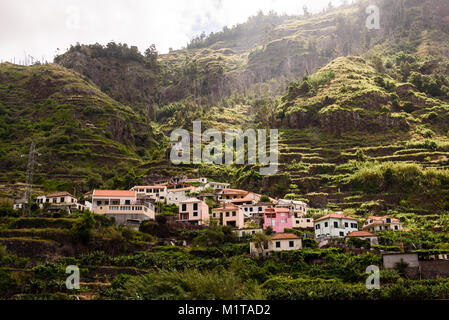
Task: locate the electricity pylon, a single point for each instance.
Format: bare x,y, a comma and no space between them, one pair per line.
29,178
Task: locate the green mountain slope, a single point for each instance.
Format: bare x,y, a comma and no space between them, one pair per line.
84,136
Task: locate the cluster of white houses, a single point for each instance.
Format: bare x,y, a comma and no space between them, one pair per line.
240,209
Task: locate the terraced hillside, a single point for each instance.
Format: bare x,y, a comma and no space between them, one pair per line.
82,134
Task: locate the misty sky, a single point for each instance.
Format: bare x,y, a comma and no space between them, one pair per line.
41,27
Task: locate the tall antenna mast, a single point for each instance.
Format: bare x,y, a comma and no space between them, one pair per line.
29,177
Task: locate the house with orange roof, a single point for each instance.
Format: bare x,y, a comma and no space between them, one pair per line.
227,195
122,205
155,192
194,211
335,225
250,198
279,242
377,224
229,215
363,235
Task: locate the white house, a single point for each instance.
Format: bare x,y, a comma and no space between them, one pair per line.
294,205
279,242
256,210
18,204
335,225
176,196
58,200
377,224
217,185
122,205
155,192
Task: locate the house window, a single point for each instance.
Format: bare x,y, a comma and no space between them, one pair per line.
326,224
184,207
284,221
278,244
297,221
260,208
396,228
98,203
346,225
335,224
246,209
317,227
342,234
227,214
195,214
243,234
291,244
214,215
308,220
195,206
127,202
62,199
234,213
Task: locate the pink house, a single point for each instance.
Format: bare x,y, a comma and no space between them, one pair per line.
194,211
278,218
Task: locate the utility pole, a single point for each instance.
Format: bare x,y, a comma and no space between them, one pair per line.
29,178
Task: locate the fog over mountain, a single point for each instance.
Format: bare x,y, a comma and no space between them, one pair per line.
40,28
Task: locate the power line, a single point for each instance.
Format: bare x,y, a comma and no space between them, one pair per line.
29,177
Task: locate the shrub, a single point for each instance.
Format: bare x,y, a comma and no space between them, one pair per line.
192,285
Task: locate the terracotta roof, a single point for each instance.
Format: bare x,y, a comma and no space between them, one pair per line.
114,193
360,234
244,199
59,194
233,191
181,189
226,206
282,236
259,204
277,210
382,218
336,216
191,200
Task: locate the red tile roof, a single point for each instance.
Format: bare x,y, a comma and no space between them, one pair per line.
335,216
226,206
233,191
360,234
114,193
382,219
285,236
276,210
